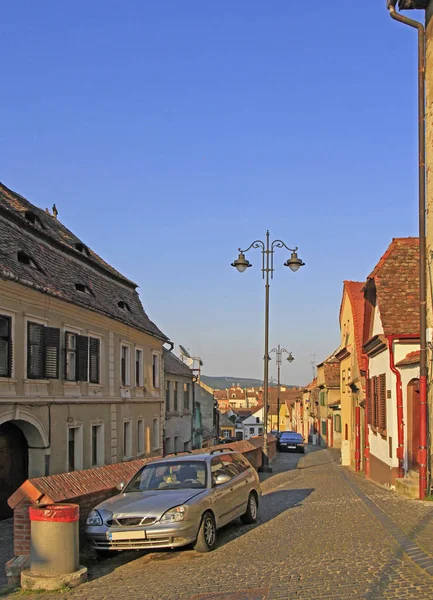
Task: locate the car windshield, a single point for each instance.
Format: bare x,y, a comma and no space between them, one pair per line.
181,475
295,437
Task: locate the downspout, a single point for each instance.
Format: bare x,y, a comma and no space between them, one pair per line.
357,438
366,430
400,422
422,452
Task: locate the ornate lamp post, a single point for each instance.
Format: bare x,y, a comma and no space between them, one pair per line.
279,353
241,264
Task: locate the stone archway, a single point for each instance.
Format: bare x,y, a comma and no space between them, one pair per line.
24,447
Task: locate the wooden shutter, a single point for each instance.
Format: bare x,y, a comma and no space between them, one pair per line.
51,352
82,357
94,351
369,402
35,351
381,421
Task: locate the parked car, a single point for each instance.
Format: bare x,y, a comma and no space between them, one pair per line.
276,433
291,440
176,501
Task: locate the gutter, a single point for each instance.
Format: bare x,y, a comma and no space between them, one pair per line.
400,421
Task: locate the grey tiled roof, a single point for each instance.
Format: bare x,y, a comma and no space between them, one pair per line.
61,267
175,366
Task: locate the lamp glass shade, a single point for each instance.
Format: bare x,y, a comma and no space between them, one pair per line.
241,263
294,262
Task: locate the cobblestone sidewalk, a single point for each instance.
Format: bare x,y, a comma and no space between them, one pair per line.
323,533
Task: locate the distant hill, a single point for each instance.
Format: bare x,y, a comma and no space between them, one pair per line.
222,383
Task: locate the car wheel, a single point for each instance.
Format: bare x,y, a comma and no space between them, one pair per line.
250,515
206,538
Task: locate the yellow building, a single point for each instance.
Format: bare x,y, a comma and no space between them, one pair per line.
352,371
328,408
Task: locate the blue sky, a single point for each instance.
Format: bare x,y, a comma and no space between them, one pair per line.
170,133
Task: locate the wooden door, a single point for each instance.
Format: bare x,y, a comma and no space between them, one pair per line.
13,464
413,424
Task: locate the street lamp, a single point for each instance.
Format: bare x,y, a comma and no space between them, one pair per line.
241,264
279,353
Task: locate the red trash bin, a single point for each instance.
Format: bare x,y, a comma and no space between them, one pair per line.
54,543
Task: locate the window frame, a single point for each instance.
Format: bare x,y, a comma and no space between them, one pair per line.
98,379
78,447
156,370
100,445
141,447
125,382
175,396
167,396
156,439
127,439
186,397
139,375
9,341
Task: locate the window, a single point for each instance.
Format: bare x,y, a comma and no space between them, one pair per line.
97,445
257,419
175,397
94,359
348,375
251,430
124,365
127,439
124,306
337,423
322,395
84,289
260,430
138,367
324,428
186,387
82,358
155,370
75,456
155,434
5,346
226,433
30,216
167,396
376,401
176,446
27,260
140,436
82,249
43,350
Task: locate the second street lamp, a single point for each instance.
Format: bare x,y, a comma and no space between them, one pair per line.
241,264
279,353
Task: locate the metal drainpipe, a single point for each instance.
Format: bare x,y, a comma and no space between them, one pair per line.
366,430
422,452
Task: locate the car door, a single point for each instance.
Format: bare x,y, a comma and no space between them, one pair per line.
246,481
221,495
239,497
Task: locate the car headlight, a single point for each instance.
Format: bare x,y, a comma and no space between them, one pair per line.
94,519
178,513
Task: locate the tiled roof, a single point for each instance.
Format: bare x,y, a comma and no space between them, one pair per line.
332,375
396,278
410,359
225,421
354,290
174,366
57,267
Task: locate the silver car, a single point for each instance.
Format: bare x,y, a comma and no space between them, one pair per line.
175,501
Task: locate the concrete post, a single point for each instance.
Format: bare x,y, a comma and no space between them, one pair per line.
429,217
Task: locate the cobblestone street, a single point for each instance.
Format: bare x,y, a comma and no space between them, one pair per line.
323,533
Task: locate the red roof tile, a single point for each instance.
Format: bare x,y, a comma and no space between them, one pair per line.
354,291
396,278
332,374
410,359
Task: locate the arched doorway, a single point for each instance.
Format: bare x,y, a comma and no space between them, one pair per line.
413,424
14,464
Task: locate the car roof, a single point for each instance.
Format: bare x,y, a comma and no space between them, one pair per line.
189,457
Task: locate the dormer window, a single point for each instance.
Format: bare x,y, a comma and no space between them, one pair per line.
82,248
27,260
84,289
33,218
124,306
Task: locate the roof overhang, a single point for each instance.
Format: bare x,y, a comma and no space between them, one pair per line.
344,353
375,345
408,4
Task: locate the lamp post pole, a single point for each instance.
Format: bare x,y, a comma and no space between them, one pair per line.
279,358
241,264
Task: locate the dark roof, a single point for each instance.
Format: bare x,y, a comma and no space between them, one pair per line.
332,375
396,282
175,366
410,359
58,267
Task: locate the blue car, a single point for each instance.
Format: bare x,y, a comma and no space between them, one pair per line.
290,441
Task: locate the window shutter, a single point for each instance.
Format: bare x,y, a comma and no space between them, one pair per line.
94,349
82,357
10,356
51,352
35,351
382,402
369,403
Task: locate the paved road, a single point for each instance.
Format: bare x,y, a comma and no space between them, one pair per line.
323,533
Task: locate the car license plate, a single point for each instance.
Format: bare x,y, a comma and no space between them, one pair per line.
292,447
283,444
126,535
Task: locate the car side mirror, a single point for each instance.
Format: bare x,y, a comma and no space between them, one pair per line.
120,486
222,478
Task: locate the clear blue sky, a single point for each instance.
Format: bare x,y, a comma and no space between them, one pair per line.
170,133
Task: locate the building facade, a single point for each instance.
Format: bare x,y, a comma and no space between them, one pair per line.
81,378
178,434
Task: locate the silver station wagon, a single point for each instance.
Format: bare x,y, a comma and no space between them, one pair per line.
175,501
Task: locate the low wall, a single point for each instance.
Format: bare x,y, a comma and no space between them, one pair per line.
88,488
